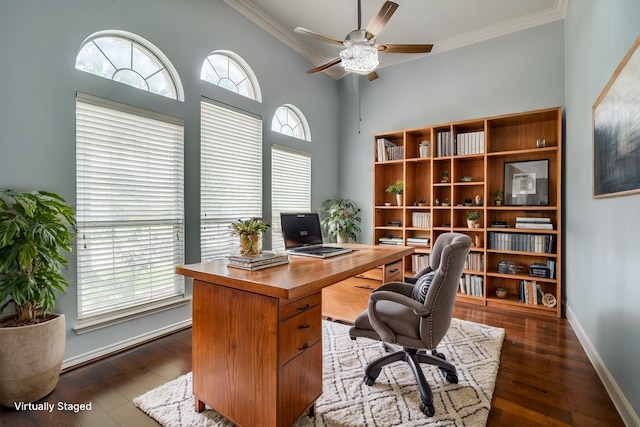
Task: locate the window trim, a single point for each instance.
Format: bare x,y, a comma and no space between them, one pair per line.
301,118
149,46
253,79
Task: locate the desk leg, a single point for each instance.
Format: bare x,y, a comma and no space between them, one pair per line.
199,405
312,410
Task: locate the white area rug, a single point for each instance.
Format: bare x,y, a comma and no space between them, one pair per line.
393,400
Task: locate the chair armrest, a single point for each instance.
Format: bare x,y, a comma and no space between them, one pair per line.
417,307
384,293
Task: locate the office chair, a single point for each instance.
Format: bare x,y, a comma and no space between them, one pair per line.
413,329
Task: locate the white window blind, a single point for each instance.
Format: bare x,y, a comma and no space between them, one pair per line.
230,176
290,187
130,208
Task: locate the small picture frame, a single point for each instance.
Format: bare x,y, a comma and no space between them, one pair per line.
526,183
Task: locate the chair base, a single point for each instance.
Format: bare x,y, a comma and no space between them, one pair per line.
413,357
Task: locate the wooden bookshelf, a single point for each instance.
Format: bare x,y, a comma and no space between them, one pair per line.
465,163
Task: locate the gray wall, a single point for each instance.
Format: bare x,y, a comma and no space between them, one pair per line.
602,249
39,40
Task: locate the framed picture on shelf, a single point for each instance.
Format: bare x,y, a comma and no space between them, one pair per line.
616,131
526,183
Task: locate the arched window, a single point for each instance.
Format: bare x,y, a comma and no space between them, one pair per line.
288,120
129,59
229,71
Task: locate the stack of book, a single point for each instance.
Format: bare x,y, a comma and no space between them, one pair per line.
530,292
423,241
443,149
419,261
390,240
421,219
470,143
265,260
537,223
387,150
471,284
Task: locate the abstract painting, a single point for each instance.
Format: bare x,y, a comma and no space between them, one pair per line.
616,131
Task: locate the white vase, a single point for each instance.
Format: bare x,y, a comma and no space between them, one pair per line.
399,199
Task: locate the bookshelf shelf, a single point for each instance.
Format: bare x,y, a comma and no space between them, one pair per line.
455,168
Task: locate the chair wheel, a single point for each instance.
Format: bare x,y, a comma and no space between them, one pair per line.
368,380
452,378
427,409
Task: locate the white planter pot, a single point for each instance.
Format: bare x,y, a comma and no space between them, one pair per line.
30,360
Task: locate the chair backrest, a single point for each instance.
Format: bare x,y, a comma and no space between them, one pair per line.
447,260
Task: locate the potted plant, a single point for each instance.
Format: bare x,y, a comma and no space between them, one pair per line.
250,232
473,219
397,188
499,197
340,219
34,229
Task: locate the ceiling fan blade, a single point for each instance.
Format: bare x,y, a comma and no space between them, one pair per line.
372,76
380,19
301,30
325,66
404,48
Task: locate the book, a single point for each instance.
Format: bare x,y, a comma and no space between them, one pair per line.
540,223
533,219
264,260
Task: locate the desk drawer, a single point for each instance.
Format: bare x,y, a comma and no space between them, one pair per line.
299,306
299,333
393,272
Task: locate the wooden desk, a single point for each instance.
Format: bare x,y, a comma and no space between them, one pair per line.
257,336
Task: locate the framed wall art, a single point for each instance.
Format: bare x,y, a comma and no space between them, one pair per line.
526,183
616,131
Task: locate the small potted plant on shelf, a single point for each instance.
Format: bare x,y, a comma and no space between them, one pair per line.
466,178
35,229
397,188
340,219
499,197
473,219
250,232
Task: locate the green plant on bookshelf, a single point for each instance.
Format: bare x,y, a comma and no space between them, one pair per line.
473,219
498,197
466,178
397,188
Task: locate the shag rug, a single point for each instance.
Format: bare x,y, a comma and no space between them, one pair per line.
393,400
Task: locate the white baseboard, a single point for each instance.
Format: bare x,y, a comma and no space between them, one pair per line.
629,416
114,348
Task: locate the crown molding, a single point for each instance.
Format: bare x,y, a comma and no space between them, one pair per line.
267,23
521,23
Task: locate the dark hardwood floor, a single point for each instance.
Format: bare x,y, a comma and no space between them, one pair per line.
545,379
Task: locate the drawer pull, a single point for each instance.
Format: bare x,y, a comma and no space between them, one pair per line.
304,307
304,346
304,326
395,270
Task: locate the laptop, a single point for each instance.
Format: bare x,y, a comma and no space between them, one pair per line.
303,236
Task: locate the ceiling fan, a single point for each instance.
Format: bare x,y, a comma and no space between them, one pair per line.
360,55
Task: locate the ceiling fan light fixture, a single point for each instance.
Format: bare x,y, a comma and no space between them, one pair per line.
359,58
